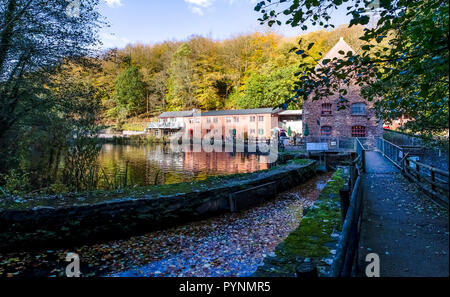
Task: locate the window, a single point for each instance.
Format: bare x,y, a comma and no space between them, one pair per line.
191,121
236,119
197,120
228,120
216,120
358,109
252,131
156,132
261,131
252,119
261,119
174,119
326,109
358,131
208,120
325,130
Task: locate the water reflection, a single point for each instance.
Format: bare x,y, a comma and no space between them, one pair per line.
150,164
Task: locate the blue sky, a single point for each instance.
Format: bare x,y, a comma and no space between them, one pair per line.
153,21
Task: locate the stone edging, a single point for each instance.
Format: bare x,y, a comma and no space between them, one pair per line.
314,241
57,227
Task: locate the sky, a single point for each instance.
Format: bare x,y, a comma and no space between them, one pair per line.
154,21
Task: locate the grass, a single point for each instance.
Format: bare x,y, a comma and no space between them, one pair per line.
136,126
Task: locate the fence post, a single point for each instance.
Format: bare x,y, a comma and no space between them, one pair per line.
344,193
363,160
418,171
352,177
433,180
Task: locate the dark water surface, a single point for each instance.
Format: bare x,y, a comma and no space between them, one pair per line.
151,164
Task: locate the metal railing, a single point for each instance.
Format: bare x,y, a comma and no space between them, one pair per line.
392,152
345,262
165,125
334,143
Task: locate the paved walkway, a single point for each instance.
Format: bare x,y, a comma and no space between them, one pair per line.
404,227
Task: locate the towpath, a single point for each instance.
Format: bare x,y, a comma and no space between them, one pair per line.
404,227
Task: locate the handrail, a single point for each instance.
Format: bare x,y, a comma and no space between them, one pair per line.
431,168
347,248
435,187
392,152
393,144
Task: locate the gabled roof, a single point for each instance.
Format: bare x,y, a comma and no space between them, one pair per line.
341,45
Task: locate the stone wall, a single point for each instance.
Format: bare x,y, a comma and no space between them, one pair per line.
65,227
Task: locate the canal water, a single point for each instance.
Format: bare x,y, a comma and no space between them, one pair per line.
158,164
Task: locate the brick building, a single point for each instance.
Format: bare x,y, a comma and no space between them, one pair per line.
323,119
255,124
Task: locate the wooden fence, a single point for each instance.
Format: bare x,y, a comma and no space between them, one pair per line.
345,262
431,180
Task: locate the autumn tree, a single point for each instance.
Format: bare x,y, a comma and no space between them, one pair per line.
180,94
36,36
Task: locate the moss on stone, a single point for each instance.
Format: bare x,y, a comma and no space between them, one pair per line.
310,239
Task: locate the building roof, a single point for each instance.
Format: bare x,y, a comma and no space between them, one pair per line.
177,114
291,113
341,45
191,113
241,112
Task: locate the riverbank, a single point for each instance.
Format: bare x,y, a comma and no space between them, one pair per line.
231,244
141,209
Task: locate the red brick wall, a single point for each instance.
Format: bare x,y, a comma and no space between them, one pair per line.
341,121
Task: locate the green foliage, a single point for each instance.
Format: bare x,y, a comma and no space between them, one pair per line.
403,64
268,89
15,182
306,133
129,93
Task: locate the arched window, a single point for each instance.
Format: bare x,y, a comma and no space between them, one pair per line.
358,109
326,109
358,131
325,130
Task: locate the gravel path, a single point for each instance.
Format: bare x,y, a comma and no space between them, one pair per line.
227,245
